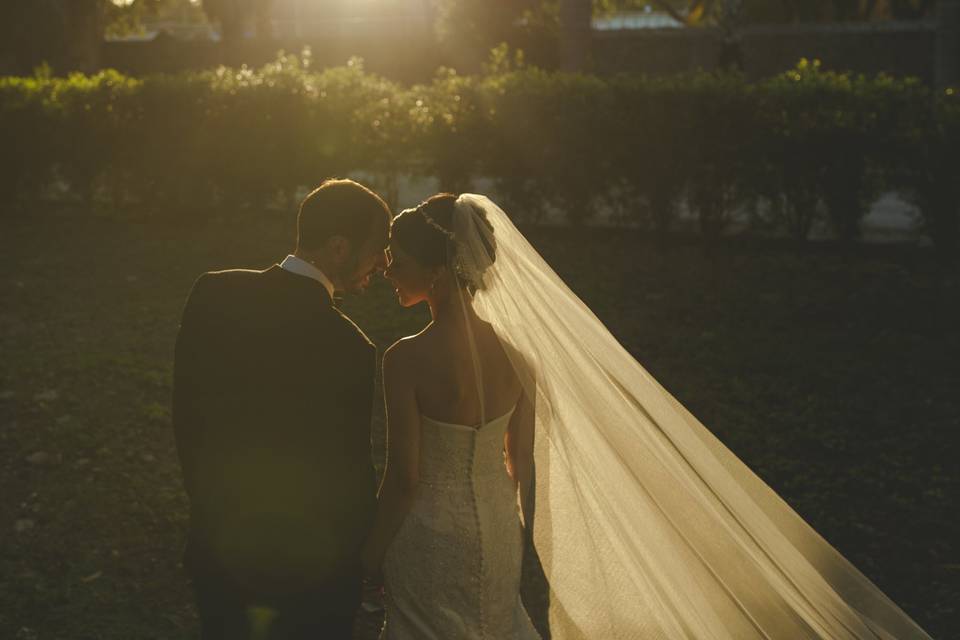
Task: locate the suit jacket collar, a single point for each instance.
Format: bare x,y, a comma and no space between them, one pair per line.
301,267
314,287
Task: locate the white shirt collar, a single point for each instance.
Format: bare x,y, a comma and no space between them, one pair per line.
301,267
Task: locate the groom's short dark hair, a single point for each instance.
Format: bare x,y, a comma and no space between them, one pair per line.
339,207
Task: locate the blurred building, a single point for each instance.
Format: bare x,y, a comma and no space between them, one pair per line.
622,20
180,31
898,48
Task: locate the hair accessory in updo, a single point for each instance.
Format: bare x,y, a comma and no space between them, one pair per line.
474,243
433,223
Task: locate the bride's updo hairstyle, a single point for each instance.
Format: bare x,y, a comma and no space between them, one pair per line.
425,233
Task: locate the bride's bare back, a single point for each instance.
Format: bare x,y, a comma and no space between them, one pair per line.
446,387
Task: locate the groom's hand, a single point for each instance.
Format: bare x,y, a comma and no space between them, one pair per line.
371,596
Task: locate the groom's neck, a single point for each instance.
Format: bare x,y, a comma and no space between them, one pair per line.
321,262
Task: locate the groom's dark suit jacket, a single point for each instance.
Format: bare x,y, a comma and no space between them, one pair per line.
273,390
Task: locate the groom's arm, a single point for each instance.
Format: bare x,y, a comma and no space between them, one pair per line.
401,476
188,380
519,439
519,445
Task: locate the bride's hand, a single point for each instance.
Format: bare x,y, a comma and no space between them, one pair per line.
370,566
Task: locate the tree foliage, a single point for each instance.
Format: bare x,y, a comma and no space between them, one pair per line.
124,19
236,16
30,33
63,33
467,30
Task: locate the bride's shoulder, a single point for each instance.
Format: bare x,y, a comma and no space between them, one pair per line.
402,356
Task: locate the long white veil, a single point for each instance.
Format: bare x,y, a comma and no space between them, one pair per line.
646,526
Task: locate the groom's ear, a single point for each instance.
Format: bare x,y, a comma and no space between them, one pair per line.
338,248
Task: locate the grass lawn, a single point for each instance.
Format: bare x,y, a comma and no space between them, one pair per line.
835,378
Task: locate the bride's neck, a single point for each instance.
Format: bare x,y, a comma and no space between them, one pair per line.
448,309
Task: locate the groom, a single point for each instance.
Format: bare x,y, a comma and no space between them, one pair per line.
273,391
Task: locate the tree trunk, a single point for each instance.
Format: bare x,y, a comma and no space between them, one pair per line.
84,34
575,31
948,44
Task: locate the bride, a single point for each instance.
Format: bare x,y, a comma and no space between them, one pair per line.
645,525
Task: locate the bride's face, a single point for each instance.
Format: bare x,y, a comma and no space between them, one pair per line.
410,279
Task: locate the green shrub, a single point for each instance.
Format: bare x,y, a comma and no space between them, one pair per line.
789,172
26,143
92,115
167,156
832,143
721,133
547,144
816,145
447,133
930,171
652,150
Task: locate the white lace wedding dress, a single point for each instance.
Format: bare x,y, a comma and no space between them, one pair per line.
453,569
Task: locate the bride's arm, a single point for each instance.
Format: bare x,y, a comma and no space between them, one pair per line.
402,472
520,454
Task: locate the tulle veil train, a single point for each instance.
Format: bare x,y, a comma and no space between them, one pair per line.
646,526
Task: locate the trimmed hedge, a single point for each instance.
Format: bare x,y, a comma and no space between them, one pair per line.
814,145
